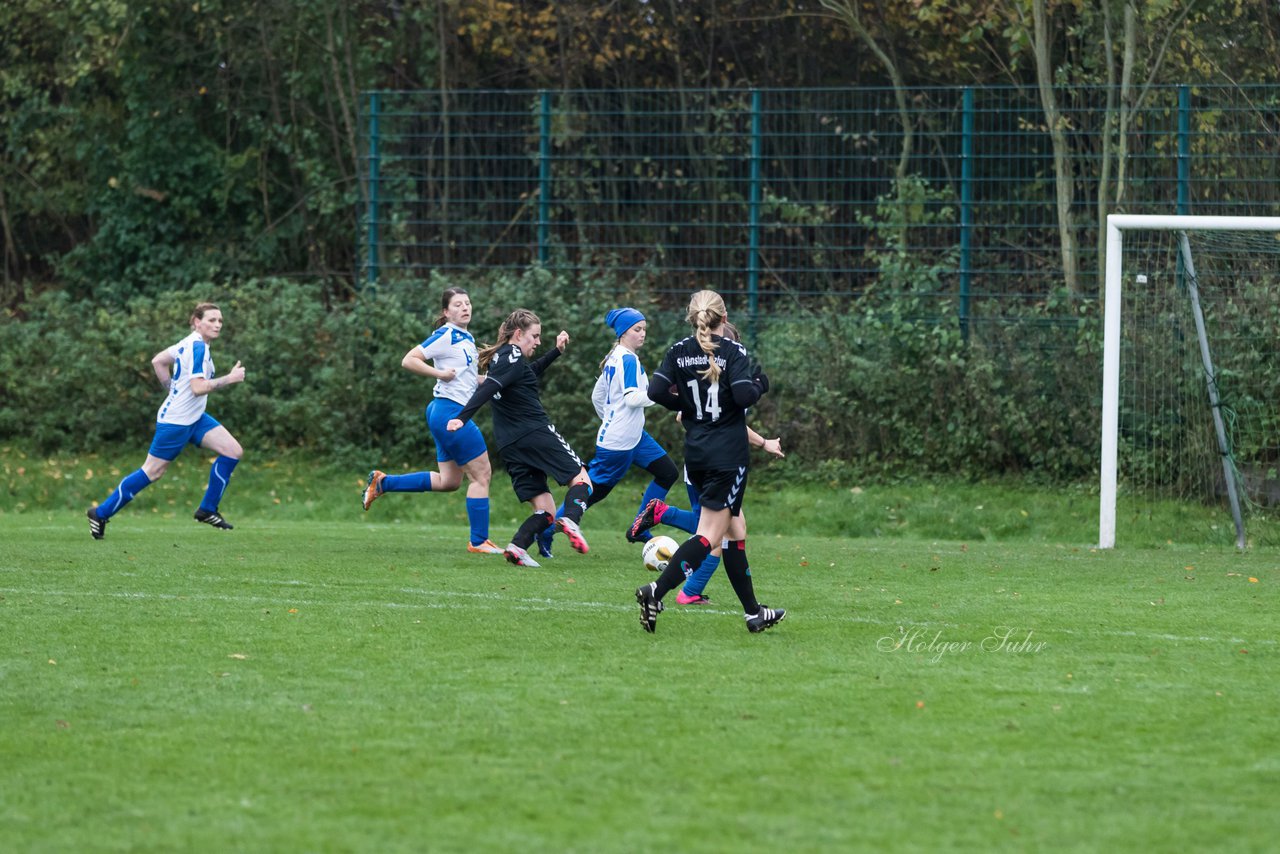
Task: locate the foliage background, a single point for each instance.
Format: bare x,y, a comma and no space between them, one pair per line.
154,155
872,392
149,147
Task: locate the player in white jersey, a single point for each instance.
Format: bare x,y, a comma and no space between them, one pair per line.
452,349
186,371
620,397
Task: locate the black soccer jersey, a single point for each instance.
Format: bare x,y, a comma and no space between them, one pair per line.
715,423
517,409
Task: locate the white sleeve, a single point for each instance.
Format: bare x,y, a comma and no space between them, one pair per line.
637,397
598,395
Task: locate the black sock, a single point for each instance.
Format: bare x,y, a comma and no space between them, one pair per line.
688,557
735,566
532,527
575,501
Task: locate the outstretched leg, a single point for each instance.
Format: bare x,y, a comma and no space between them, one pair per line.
220,441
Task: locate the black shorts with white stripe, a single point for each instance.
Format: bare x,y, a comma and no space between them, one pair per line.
720,488
534,457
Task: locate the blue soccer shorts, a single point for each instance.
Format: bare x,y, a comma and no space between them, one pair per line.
612,466
170,439
460,447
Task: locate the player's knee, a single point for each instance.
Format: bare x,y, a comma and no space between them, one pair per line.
664,472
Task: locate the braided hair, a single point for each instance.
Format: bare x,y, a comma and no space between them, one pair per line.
707,312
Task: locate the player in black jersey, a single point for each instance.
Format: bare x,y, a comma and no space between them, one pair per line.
710,380
527,440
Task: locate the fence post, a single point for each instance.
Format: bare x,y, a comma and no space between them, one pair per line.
374,176
753,229
544,177
1184,149
966,210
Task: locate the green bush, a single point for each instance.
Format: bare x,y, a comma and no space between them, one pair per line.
889,389
319,376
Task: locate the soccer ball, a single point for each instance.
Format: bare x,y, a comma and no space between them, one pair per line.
658,551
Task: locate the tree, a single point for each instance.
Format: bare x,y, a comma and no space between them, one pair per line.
849,12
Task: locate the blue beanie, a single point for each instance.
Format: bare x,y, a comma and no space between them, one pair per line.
622,319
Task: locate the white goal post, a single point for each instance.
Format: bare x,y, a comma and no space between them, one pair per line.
1117,225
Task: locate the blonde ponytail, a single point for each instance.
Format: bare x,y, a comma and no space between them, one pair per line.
707,312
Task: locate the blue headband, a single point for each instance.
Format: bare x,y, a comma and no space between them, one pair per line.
622,319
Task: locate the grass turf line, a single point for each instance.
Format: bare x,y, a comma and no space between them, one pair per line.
367,686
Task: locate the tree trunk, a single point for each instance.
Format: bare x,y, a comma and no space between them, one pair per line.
848,12
1126,98
1108,142
1064,178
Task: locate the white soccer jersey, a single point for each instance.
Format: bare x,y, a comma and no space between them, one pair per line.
451,347
620,424
191,358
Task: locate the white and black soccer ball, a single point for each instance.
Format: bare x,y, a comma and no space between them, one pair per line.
658,552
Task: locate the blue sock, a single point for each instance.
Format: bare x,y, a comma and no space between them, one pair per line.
698,581
685,520
123,494
651,492
219,476
419,481
544,539
478,516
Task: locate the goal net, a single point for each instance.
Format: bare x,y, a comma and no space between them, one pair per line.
1191,371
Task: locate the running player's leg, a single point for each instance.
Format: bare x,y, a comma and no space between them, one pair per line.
559,461
692,591
604,470
653,458
153,468
517,551
692,551
219,440
530,485
461,445
757,616
479,472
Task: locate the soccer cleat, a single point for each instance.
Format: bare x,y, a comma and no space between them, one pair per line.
650,606
647,518
488,547
373,488
544,541
97,527
764,619
695,599
212,518
518,556
574,533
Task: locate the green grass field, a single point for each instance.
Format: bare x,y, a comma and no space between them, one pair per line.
325,680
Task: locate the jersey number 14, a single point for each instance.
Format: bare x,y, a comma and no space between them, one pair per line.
713,400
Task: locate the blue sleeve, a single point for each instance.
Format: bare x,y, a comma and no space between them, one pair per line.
630,372
431,339
197,358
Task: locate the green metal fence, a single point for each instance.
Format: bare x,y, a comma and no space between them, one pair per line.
789,194
785,199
